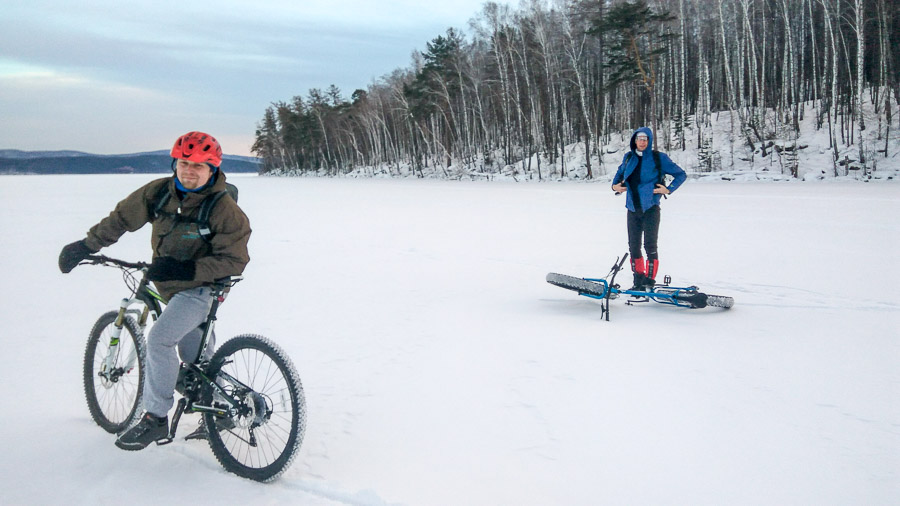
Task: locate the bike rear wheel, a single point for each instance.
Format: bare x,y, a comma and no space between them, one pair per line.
114,393
719,301
694,298
262,441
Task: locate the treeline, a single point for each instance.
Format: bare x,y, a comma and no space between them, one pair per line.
527,83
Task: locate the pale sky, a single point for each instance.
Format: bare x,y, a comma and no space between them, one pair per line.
113,76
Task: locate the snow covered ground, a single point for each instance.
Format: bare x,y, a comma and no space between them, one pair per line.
440,368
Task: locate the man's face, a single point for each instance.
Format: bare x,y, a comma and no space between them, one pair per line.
641,143
192,175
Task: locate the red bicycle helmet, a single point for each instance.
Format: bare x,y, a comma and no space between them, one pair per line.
198,147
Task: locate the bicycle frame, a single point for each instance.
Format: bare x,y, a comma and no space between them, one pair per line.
152,303
198,370
662,294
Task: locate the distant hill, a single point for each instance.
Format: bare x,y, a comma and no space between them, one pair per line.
14,161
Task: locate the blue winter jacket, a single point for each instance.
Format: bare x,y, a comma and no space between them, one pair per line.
650,174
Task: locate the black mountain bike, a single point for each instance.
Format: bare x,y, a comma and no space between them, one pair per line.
248,392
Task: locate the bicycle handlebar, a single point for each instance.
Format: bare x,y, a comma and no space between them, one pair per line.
103,259
619,263
227,281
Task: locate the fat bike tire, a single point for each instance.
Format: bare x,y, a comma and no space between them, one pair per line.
719,301
114,396
579,285
262,441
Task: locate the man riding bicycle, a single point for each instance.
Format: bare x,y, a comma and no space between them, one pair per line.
186,257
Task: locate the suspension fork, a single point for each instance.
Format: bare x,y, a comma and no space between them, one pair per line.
110,362
113,352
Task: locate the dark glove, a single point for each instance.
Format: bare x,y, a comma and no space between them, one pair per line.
72,254
170,269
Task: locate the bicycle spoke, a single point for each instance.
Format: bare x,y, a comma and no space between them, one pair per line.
271,422
113,394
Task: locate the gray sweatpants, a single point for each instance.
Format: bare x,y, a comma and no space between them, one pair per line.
177,326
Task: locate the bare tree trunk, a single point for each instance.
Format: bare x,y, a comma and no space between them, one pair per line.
860,82
791,70
682,71
814,63
534,116
832,106
729,81
574,50
520,115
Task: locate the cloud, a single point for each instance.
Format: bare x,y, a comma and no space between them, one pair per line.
41,104
77,69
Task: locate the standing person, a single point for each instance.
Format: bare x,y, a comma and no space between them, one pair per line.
640,176
184,261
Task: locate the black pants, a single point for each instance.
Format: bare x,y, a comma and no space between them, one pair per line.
643,225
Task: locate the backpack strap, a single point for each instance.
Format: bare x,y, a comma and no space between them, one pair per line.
656,160
662,175
206,207
162,198
659,167
203,216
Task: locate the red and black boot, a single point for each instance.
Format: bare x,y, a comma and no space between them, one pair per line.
639,268
652,269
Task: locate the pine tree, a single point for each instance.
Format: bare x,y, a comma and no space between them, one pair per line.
636,38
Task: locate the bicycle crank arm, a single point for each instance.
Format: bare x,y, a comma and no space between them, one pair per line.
182,403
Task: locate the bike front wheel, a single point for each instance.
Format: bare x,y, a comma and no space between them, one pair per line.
261,441
580,285
114,372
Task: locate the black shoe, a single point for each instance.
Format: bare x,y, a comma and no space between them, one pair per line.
148,430
637,287
201,432
642,283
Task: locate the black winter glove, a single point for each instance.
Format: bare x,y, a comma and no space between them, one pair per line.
170,269
72,254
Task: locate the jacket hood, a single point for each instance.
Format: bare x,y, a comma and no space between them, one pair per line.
649,133
219,184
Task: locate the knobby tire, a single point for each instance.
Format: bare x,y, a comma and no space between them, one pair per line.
719,301
263,366
579,285
113,404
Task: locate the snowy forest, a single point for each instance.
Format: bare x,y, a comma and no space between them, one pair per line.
546,90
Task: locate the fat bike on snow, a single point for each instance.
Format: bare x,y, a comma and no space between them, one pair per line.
248,393
606,289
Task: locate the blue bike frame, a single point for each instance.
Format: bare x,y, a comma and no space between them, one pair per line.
663,294
606,288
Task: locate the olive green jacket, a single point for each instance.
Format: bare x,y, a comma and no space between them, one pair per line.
223,254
